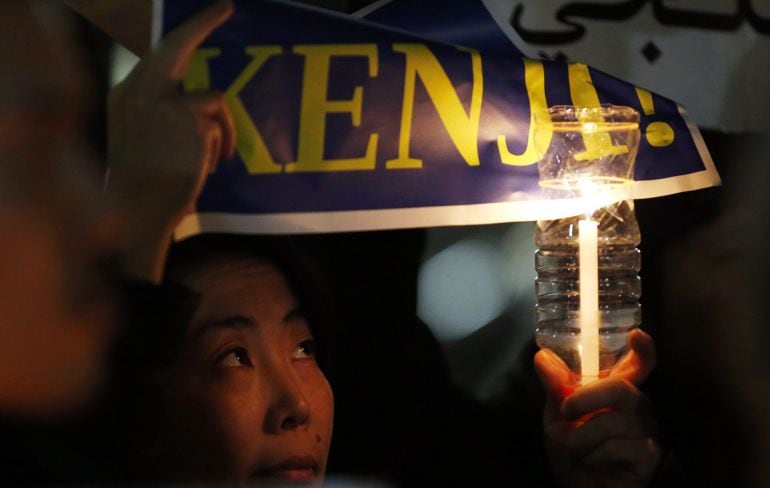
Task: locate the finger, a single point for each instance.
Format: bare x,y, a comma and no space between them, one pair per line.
639,457
608,393
638,363
172,55
224,117
553,373
609,425
206,103
211,104
213,146
230,133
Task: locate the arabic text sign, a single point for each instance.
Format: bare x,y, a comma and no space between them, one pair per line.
722,47
343,125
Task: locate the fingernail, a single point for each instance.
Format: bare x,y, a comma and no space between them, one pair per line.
549,355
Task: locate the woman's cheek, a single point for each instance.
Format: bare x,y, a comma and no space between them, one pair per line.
235,415
323,404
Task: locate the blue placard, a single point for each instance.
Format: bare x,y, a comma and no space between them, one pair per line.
419,115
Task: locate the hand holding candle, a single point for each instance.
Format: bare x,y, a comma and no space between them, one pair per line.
602,434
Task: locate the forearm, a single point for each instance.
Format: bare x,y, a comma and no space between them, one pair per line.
143,254
144,230
162,145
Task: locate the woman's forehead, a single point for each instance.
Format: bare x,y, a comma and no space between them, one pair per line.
233,273
249,290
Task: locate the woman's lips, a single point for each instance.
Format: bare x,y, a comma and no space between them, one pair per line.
291,469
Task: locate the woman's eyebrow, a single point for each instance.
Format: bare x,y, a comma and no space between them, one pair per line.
234,322
296,313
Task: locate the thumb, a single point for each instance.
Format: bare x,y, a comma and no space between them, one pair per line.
639,361
170,59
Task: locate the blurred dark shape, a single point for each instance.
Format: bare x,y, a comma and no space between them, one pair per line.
126,21
705,273
54,294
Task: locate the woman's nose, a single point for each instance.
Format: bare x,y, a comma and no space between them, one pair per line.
289,408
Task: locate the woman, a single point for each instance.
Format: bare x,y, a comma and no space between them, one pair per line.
246,398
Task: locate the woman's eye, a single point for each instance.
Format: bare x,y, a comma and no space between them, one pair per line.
305,349
235,358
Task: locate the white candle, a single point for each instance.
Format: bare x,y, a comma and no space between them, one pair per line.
588,263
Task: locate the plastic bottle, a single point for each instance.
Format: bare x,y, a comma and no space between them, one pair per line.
557,285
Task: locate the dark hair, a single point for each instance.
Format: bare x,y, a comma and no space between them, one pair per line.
301,273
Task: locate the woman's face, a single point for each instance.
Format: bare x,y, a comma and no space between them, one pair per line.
248,400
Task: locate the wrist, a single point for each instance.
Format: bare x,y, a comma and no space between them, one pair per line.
144,236
146,203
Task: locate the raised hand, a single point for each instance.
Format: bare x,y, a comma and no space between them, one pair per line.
602,434
162,144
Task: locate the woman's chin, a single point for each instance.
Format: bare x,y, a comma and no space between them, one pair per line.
287,478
